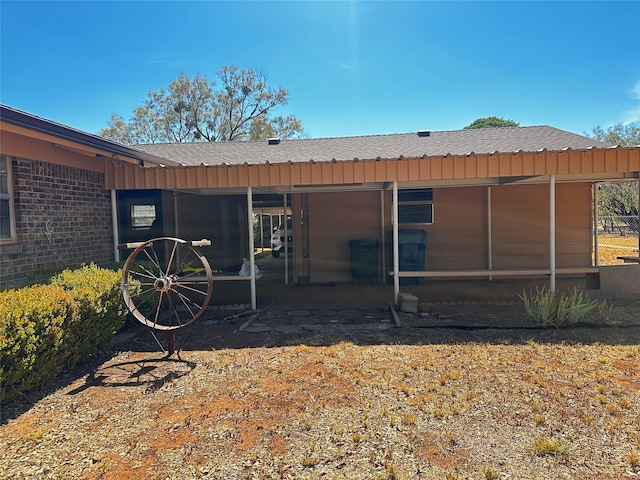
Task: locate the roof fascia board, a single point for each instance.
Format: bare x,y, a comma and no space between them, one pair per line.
63,134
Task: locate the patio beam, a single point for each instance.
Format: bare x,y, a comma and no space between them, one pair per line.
552,232
396,255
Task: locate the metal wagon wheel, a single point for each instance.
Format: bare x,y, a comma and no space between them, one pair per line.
167,284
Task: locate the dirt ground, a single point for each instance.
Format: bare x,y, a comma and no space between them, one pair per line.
458,391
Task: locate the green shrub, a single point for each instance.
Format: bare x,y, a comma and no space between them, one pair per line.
101,309
553,308
31,336
47,328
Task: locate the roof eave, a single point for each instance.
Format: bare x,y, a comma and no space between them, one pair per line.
38,124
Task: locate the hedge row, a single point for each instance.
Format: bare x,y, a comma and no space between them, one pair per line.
45,329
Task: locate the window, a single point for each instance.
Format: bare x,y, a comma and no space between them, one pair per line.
415,206
6,201
142,216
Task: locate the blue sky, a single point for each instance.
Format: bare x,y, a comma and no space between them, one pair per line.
351,68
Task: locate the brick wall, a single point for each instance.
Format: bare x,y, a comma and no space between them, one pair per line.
63,218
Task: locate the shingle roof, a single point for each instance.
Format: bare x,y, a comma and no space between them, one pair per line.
407,145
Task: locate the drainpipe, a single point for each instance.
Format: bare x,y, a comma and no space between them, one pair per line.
552,232
252,259
114,223
396,255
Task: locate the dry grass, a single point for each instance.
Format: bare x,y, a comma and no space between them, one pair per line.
612,246
463,411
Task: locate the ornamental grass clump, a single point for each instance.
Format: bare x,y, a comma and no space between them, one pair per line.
552,308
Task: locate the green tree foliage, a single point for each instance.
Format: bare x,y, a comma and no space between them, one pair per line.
618,134
191,109
619,199
491,122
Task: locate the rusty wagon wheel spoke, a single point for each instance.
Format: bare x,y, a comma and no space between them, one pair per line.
167,283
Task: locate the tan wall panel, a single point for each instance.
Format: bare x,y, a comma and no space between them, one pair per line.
316,174
326,174
242,180
139,178
611,160
521,221
347,170
505,164
458,236
305,174
575,163
296,174
232,176
253,175
516,165
284,174
586,162
447,167
494,165
482,166
528,164
368,171
551,159
211,176
634,160
334,219
191,176
436,168
402,169
413,166
149,176
181,177
459,164
471,168
358,172
563,164
264,174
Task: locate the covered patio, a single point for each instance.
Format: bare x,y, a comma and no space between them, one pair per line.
524,215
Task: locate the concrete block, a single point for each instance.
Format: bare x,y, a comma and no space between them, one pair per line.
408,303
620,280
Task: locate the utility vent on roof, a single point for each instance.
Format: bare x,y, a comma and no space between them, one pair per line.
274,141
424,133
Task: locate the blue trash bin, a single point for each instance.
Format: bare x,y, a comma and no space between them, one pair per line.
412,245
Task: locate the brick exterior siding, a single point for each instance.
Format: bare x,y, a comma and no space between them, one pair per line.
62,218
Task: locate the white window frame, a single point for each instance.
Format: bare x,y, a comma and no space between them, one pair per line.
8,196
140,221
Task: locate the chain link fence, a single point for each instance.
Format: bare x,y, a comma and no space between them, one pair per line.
616,236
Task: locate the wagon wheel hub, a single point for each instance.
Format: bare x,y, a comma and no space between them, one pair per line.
163,284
